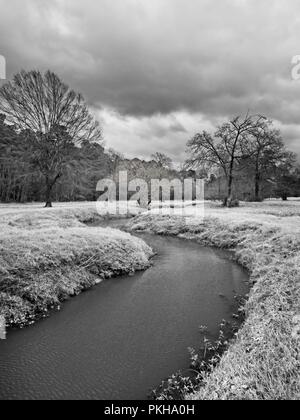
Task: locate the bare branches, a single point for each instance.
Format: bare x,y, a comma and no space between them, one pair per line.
40,103
162,160
231,144
206,152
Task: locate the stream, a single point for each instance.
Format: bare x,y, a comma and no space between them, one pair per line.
120,339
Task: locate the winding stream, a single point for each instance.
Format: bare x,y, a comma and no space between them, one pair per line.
123,337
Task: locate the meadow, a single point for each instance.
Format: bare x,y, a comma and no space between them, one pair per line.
48,255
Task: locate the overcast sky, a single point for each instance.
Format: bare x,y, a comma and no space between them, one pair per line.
157,71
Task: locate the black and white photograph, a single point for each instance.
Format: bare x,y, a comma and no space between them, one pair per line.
149,203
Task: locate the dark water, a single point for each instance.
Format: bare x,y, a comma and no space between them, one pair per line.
126,335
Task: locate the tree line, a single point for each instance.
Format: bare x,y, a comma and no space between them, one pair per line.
51,148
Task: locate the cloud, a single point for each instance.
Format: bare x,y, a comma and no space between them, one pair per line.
150,60
142,136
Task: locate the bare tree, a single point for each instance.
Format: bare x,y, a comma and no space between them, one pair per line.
226,149
54,117
163,160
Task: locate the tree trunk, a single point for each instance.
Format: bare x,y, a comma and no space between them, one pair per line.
257,180
228,199
49,187
257,187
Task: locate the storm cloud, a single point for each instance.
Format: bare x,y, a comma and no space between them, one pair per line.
157,71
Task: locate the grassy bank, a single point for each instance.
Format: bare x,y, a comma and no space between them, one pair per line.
263,362
49,255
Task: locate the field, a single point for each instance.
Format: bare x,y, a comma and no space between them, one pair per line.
49,255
